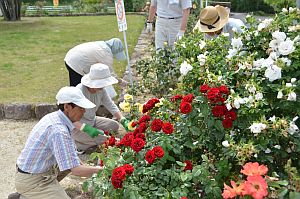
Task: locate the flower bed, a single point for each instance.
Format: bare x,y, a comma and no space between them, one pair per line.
234,112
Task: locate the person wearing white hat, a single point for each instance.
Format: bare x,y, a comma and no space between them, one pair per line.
93,86
50,152
215,20
79,59
171,21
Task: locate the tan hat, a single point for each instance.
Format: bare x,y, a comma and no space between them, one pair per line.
98,77
212,18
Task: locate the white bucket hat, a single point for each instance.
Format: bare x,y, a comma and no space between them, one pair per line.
212,18
116,48
98,77
70,94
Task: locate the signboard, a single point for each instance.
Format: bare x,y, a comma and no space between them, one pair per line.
55,3
120,12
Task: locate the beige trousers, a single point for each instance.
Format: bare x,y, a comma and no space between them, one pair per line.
84,141
41,186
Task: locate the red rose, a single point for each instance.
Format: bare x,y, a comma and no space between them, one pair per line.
144,118
100,163
156,125
136,131
146,108
112,141
183,198
204,88
128,169
213,94
140,135
142,127
116,182
167,128
231,115
188,166
227,123
158,151
133,124
188,98
137,144
219,111
150,156
119,173
127,139
150,104
176,97
223,89
185,107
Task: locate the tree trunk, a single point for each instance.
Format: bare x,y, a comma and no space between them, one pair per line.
11,9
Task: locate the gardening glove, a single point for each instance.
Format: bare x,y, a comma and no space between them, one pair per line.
149,27
124,123
91,131
179,35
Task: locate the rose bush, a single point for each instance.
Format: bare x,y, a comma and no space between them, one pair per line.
235,110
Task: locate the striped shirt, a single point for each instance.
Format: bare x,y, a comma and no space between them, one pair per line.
49,143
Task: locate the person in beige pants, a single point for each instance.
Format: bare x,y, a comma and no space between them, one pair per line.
50,152
93,87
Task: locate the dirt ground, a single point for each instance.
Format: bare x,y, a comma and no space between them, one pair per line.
13,135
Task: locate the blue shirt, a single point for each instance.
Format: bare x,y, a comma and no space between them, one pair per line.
49,143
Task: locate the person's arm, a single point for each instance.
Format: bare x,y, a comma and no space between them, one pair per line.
118,115
85,171
152,12
185,17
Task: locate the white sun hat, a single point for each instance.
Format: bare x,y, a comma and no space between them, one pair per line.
70,94
98,77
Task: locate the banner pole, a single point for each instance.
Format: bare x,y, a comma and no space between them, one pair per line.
128,69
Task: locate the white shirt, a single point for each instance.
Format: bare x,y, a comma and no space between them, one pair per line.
81,57
171,8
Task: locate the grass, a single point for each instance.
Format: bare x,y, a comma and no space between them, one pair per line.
32,52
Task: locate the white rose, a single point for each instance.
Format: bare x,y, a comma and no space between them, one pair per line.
286,47
202,59
252,89
295,119
236,104
268,150
277,146
293,128
279,95
292,96
185,68
257,127
272,119
288,85
202,44
228,106
231,53
273,73
225,143
293,80
287,61
280,36
259,96
237,43
284,10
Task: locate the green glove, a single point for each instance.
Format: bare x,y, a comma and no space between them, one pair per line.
124,123
91,131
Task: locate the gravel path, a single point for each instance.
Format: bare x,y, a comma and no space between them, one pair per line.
13,136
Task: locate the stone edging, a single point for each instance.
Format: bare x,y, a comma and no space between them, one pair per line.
25,111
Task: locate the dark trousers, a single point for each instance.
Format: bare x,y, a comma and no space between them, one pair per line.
74,77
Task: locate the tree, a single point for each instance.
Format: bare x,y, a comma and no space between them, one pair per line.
11,9
279,4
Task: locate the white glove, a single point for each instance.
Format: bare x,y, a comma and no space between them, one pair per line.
149,27
179,35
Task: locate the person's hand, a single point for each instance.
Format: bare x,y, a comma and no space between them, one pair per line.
91,131
179,35
124,123
149,27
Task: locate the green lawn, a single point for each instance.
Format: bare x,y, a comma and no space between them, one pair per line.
32,51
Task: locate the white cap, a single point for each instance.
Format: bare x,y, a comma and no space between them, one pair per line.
116,47
70,94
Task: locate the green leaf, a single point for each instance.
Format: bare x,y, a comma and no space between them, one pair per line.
183,176
180,163
282,192
294,195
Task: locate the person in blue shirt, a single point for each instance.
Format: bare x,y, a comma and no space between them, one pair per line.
50,152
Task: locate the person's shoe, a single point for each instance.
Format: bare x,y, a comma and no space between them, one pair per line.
15,195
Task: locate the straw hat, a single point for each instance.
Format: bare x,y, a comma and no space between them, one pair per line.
212,18
98,77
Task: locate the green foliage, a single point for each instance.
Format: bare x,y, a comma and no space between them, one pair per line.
279,4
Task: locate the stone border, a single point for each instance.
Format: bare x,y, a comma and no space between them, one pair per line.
25,111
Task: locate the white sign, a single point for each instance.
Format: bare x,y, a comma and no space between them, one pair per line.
120,12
